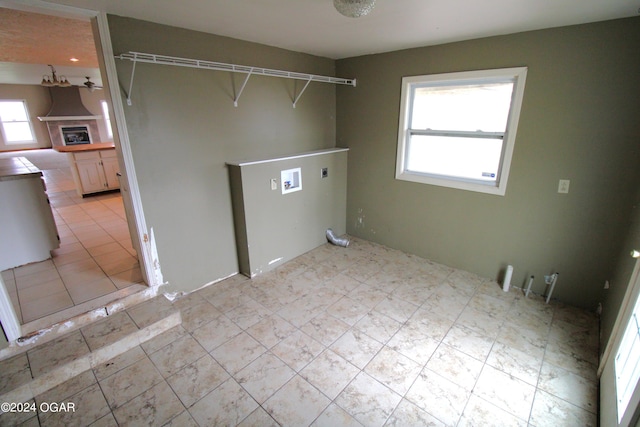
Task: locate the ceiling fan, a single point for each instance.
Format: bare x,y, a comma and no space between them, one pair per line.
91,85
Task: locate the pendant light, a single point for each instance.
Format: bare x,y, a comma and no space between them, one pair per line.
354,8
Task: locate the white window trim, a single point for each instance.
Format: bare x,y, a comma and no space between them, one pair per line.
500,187
33,134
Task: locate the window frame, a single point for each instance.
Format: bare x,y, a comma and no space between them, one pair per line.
33,139
517,74
627,372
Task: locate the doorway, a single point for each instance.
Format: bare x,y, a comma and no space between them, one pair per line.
96,262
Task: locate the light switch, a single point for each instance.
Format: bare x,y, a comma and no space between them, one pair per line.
274,183
563,186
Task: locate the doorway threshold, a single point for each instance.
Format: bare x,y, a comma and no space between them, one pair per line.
51,327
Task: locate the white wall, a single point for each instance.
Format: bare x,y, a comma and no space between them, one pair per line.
38,104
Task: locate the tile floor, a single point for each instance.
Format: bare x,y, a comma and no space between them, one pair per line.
95,258
352,336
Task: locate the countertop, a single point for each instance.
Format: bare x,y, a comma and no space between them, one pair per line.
85,147
17,168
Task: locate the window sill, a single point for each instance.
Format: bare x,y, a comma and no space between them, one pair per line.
488,188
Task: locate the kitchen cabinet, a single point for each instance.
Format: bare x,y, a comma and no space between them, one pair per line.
90,172
27,226
111,170
94,167
96,171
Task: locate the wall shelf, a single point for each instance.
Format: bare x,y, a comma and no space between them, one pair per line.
150,58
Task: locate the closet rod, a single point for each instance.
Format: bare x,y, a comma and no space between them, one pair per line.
221,66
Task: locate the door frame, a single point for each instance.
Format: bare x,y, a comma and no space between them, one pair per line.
144,242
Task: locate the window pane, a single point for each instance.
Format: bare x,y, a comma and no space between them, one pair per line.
13,111
482,107
107,120
627,363
466,158
17,132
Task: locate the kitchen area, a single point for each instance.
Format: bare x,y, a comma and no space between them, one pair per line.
65,168
74,130
63,203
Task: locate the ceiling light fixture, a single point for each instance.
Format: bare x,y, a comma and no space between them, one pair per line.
53,80
354,8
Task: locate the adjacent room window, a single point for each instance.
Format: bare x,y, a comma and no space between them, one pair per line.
627,362
458,130
16,126
107,119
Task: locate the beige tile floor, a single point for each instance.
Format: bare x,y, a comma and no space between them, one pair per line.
95,258
352,336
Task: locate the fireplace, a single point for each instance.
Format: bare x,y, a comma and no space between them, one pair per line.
69,122
75,135
76,131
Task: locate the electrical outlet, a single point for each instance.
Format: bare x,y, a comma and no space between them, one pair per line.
324,172
563,186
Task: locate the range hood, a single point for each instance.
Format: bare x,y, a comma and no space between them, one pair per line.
66,104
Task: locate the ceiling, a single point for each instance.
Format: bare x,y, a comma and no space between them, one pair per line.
30,41
314,26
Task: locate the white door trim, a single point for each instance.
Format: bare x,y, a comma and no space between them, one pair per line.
8,317
149,261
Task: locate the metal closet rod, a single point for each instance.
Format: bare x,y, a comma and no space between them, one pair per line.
151,58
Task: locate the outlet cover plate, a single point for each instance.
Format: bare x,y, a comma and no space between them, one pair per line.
563,186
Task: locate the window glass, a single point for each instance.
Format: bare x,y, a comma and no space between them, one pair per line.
470,158
107,119
464,108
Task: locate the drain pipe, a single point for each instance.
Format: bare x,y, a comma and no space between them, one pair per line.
338,241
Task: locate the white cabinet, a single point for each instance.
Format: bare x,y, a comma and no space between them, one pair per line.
95,171
111,171
27,226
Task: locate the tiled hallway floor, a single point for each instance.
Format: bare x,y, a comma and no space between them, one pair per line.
352,336
95,258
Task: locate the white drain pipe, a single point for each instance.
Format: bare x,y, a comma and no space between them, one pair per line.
554,279
526,295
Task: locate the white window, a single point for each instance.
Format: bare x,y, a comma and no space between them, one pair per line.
16,126
627,362
458,130
107,119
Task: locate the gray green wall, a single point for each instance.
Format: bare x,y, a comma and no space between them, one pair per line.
183,127
273,228
580,121
622,274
